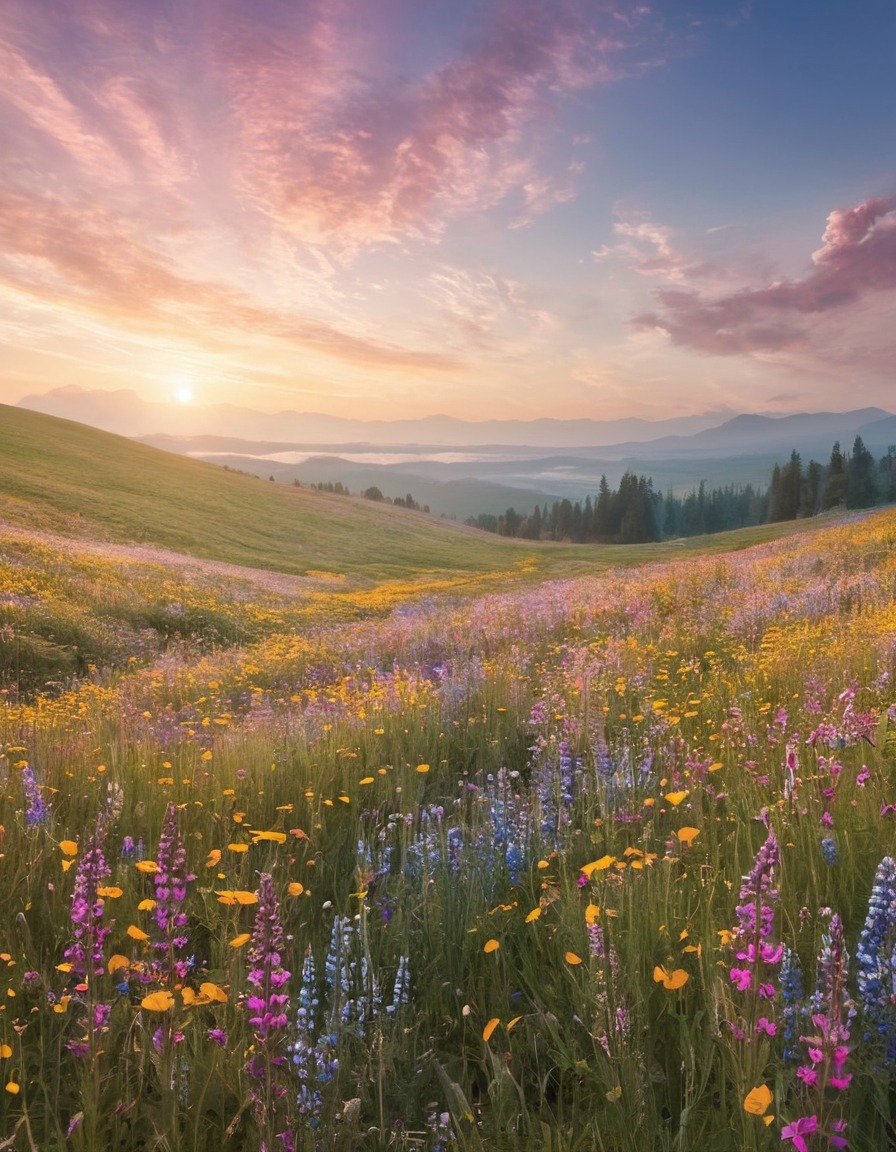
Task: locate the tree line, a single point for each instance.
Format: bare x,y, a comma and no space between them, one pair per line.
634,513
374,493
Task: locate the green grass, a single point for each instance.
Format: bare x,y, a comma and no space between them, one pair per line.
65,477
69,478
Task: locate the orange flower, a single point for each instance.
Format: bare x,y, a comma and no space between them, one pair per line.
671,981
229,896
157,1001
757,1100
490,1027
598,865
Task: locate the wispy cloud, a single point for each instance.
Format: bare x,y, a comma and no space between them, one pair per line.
490,312
87,262
343,158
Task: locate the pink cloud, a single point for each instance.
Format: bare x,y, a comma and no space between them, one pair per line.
37,105
857,259
336,157
647,247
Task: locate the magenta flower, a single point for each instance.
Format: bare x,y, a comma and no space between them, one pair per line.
741,978
798,1130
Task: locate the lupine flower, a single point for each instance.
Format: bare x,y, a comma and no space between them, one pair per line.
791,979
309,1100
266,974
337,970
510,818
266,1005
171,879
314,1058
168,966
751,939
829,850
86,954
874,957
827,1048
440,1130
36,811
401,987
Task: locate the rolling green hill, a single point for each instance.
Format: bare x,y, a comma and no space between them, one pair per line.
68,478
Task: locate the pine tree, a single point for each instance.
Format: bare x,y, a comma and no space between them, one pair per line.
860,482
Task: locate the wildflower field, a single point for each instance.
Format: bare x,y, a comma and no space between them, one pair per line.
604,863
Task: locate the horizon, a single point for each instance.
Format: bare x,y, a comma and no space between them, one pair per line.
502,211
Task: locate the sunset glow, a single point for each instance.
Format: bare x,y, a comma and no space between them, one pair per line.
378,208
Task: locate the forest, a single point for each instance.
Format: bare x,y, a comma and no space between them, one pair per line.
634,513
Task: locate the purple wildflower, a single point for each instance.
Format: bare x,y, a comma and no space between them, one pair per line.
36,811
401,987
171,882
266,1005
267,975
85,954
752,943
827,1046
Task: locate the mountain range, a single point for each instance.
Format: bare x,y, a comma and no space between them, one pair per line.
461,468
125,412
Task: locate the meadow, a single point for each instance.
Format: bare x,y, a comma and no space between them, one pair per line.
444,863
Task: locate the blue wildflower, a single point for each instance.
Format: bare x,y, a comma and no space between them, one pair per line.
875,969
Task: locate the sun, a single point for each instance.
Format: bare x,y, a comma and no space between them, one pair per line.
182,388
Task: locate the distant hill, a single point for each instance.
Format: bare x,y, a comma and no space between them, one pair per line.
879,435
126,413
490,478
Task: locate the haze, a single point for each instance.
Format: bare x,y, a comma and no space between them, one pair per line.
383,209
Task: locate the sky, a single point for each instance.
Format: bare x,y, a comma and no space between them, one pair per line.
483,208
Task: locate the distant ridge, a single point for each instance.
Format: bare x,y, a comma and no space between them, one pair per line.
127,414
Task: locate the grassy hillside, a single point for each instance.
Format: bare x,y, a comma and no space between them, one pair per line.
65,477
